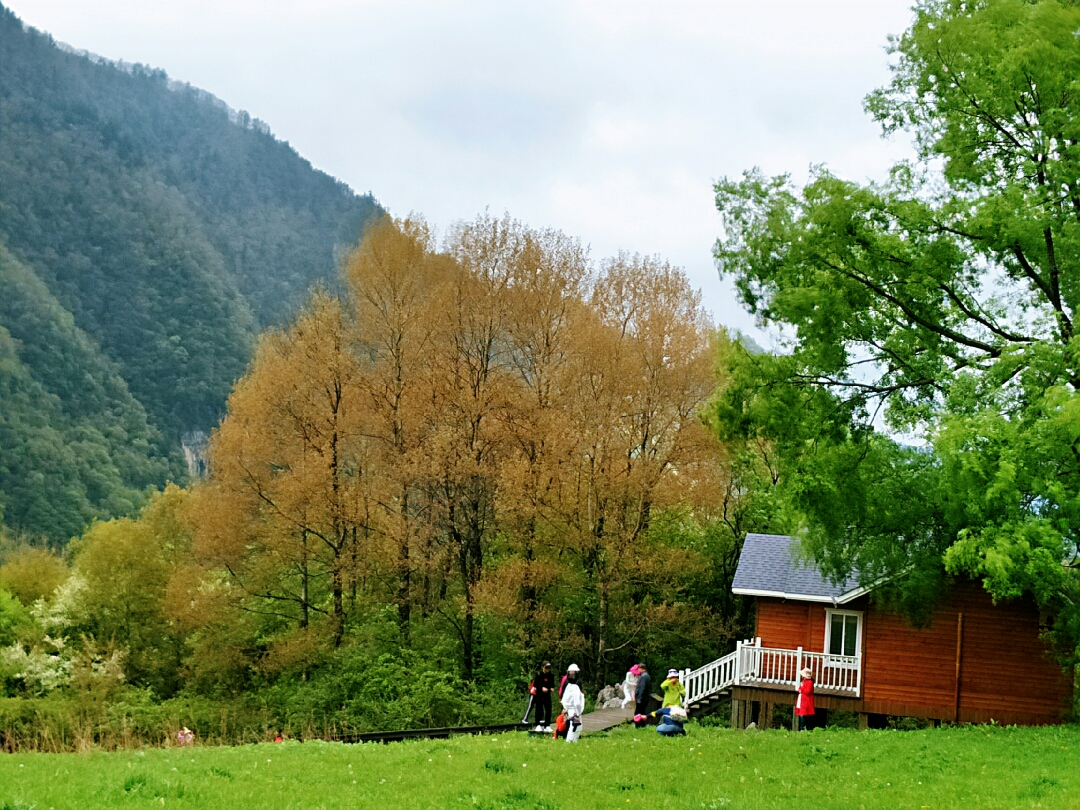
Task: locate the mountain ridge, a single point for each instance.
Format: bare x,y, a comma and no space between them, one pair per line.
165,230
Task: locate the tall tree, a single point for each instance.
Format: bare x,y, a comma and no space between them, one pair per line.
634,442
943,299
482,430
284,509
396,280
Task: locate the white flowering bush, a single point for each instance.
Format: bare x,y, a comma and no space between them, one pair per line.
52,661
58,613
43,668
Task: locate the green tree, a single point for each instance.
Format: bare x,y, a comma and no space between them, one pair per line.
12,614
942,302
30,573
126,565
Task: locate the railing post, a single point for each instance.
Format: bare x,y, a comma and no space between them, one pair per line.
798,665
738,662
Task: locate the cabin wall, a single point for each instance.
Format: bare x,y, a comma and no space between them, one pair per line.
1006,673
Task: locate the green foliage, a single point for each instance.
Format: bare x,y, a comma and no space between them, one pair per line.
76,444
30,573
941,303
146,233
126,566
64,721
12,615
364,690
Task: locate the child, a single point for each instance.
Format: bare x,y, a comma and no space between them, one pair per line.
629,687
804,704
674,692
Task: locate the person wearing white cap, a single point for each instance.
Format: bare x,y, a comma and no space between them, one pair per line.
804,704
674,691
573,701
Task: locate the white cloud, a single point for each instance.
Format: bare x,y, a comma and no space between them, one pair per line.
609,119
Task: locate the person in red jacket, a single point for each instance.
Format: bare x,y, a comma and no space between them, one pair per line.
804,704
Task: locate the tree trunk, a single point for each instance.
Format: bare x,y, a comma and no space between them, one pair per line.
305,604
339,594
528,590
601,647
404,566
354,566
468,639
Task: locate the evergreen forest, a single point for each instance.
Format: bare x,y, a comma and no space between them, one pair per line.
147,234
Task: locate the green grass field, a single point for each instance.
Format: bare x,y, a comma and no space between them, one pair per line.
711,768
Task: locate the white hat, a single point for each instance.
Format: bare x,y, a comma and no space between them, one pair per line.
573,668
806,673
673,673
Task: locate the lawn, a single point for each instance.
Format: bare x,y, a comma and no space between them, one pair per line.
967,767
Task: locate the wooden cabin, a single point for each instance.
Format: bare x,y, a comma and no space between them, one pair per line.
974,662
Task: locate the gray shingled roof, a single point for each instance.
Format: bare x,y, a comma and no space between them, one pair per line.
770,565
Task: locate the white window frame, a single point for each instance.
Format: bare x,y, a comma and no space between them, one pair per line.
858,614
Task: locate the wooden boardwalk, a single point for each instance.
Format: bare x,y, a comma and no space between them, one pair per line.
604,719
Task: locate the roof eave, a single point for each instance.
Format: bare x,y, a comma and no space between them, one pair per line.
797,597
841,599
851,596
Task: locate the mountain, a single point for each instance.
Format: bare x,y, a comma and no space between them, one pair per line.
147,234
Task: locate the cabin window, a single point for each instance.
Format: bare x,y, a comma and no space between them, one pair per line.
843,631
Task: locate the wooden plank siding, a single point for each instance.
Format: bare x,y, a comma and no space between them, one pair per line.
1006,673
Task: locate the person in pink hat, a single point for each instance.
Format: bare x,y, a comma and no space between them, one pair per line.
629,686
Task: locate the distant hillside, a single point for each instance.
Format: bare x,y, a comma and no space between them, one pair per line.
147,233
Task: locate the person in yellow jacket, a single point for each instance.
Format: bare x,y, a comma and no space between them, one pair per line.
674,691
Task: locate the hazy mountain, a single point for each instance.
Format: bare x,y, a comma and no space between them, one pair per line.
147,233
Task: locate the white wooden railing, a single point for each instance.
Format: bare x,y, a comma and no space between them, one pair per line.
710,679
769,667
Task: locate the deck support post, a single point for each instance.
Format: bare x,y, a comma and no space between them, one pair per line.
864,721
737,713
959,660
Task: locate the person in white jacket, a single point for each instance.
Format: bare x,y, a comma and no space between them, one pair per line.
629,687
573,702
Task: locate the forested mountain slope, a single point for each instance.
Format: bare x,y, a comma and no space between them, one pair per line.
147,232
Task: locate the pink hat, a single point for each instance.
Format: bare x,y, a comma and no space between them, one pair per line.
635,669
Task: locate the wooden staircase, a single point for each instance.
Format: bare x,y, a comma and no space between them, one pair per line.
706,704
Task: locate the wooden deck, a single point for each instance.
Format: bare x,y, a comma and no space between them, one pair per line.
604,719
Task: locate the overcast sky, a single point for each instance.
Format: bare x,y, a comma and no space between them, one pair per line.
608,120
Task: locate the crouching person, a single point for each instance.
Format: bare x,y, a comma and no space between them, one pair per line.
573,701
670,721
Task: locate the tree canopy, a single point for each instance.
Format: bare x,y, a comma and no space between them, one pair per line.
940,303
491,436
